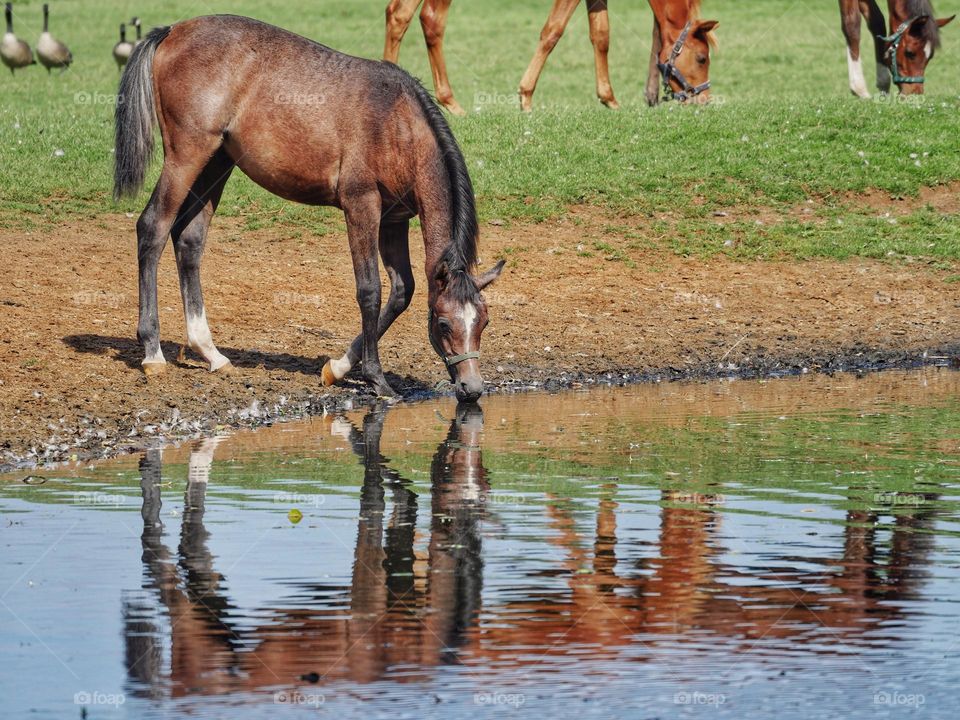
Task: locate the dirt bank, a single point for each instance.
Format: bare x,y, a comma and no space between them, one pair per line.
575,305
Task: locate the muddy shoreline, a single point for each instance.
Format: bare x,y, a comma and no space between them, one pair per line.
563,315
99,440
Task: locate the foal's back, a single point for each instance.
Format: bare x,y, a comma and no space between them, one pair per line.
298,117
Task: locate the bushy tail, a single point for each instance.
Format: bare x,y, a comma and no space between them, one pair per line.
136,117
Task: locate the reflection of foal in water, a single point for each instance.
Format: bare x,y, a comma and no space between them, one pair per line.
405,612
319,127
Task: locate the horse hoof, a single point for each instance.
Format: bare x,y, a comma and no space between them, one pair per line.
327,378
152,369
226,369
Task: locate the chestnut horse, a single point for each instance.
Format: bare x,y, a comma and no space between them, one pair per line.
680,55
676,28
901,56
312,125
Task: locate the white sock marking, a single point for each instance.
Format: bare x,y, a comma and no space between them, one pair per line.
340,367
858,83
199,339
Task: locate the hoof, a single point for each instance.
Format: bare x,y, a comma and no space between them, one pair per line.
226,369
152,369
326,375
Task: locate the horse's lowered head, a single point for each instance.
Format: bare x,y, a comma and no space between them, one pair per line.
685,62
458,315
910,48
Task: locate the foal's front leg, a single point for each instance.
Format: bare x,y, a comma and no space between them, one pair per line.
395,252
363,228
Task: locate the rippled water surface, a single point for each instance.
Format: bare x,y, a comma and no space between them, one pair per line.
737,549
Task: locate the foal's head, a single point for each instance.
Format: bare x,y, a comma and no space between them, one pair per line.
691,60
909,50
458,315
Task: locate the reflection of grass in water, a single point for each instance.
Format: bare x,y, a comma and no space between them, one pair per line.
865,461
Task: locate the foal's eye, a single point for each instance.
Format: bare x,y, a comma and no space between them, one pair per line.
444,325
702,59
910,54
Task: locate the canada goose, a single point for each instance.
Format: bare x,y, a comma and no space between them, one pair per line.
136,23
14,52
122,50
51,52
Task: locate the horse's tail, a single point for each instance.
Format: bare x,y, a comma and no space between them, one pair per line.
136,117
462,253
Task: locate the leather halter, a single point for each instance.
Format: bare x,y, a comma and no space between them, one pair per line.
668,71
891,55
449,360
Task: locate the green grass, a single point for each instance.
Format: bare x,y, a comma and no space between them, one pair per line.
784,129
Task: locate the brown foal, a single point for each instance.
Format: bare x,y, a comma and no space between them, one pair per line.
312,125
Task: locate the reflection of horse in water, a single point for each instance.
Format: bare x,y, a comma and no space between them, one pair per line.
403,610
416,605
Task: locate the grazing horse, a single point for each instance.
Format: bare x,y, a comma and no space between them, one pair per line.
680,53
433,21
901,56
312,125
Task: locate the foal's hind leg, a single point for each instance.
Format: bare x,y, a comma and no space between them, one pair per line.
395,252
153,227
189,237
399,15
552,31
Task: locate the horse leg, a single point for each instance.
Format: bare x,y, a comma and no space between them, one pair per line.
399,15
395,253
652,91
176,178
189,237
433,20
552,31
362,212
850,20
875,24
599,21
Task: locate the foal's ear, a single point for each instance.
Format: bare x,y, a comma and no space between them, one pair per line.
703,28
917,25
944,21
490,275
442,275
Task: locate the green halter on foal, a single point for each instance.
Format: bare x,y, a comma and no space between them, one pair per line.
891,55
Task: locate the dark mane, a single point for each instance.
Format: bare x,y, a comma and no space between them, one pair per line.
461,255
919,8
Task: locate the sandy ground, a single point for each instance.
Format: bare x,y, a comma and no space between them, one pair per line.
70,382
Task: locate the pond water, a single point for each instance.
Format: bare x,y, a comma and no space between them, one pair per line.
731,549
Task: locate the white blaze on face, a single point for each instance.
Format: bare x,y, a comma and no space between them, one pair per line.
469,316
928,50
